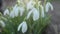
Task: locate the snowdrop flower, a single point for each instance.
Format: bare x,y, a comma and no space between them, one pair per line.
30,5
15,9
23,25
35,13
42,11
21,10
12,14
2,23
6,12
48,5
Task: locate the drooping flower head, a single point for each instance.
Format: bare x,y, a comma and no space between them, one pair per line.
49,5
35,13
23,25
6,12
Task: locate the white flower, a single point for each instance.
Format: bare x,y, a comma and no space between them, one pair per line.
42,11
21,10
12,14
15,9
48,5
2,23
30,5
23,25
35,13
6,12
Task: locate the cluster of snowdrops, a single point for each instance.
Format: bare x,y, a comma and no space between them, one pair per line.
26,17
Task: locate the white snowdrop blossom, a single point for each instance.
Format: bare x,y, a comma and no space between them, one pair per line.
49,5
2,23
21,10
35,13
23,25
30,5
42,11
15,9
12,14
6,12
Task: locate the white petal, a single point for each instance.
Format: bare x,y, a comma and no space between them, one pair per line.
15,9
28,15
35,14
16,12
42,12
12,14
6,12
24,27
21,11
2,23
19,27
49,5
